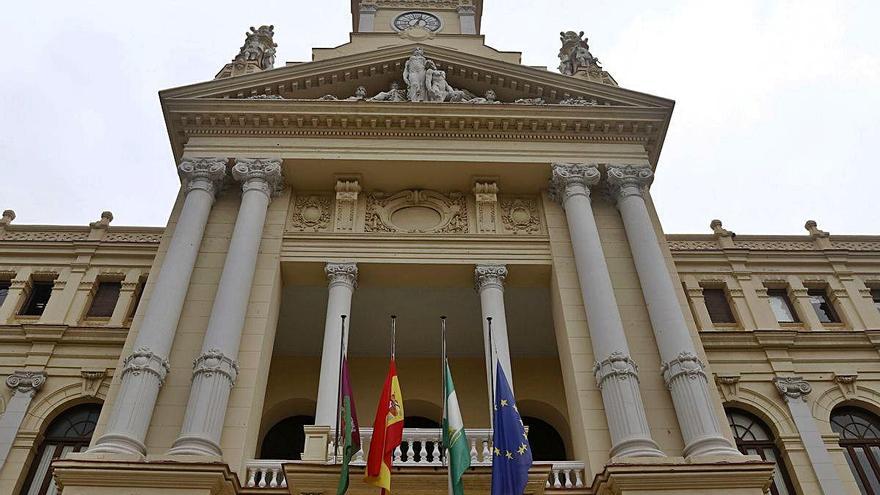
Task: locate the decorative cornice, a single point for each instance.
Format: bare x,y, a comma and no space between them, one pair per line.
628,180
259,174
214,361
686,364
26,382
489,276
618,365
793,387
342,274
206,174
572,179
144,360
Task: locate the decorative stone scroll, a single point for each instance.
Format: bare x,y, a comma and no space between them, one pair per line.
417,211
310,213
347,191
793,387
486,196
26,382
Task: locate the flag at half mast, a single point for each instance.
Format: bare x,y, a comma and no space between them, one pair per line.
454,438
348,425
387,433
511,453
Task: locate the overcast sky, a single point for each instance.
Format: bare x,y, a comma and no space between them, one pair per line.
777,115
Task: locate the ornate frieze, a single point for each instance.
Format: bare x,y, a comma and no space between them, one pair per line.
417,211
520,215
792,387
26,382
203,173
310,213
618,365
145,361
214,361
686,364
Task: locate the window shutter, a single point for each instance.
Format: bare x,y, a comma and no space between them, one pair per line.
105,299
718,306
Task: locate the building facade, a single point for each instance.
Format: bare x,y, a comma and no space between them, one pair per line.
416,171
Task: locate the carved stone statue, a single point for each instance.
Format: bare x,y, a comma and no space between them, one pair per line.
257,53
394,94
489,98
435,79
414,75
360,94
575,59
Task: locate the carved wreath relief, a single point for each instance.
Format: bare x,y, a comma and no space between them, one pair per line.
311,213
417,211
520,215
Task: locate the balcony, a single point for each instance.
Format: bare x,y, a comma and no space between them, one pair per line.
420,449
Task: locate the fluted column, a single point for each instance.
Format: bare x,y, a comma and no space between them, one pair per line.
683,371
216,368
615,371
342,279
24,385
144,370
489,282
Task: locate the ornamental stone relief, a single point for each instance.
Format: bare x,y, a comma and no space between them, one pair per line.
310,213
417,211
520,215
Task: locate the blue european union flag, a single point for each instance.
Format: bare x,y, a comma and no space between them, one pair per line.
511,454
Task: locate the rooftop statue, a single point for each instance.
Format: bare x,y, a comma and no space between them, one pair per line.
575,59
415,76
257,53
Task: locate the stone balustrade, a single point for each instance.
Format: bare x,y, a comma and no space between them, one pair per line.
420,447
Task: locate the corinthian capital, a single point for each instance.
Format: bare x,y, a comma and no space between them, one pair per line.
572,179
342,274
628,180
205,173
26,382
793,387
261,174
490,276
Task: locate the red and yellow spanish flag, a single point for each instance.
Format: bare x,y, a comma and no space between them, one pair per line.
387,433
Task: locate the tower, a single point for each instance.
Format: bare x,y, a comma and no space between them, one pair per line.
432,17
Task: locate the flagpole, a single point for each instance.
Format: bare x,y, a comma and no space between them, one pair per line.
442,384
491,374
339,393
393,334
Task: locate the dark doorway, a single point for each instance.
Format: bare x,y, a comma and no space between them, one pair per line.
286,439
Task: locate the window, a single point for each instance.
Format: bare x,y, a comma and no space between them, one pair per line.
754,438
4,290
37,299
105,299
718,306
824,309
138,292
69,432
859,433
781,306
875,294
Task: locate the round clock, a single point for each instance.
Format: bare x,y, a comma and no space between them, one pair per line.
412,19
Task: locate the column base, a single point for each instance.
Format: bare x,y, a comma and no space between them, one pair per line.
637,447
191,445
739,475
710,446
119,444
77,476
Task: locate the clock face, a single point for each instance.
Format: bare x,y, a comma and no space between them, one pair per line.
412,19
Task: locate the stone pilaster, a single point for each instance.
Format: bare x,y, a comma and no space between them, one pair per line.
615,371
342,281
486,199
143,372
24,385
683,371
215,369
794,391
347,191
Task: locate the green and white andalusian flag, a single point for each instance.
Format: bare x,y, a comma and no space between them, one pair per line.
454,439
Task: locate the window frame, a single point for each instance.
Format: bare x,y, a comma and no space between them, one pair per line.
850,445
94,298
23,311
831,311
785,294
5,287
760,445
875,296
725,294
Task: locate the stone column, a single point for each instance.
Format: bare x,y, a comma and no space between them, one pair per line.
615,371
342,279
467,17
794,391
216,368
682,369
25,385
489,281
143,371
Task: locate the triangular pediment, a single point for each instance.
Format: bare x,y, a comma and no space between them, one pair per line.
317,99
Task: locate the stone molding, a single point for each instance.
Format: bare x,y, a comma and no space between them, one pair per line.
451,209
214,361
26,382
489,276
259,174
618,365
203,173
793,387
685,364
572,179
342,274
144,360
628,180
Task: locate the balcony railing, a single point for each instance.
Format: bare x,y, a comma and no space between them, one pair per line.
420,447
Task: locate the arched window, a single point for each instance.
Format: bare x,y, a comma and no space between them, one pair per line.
69,432
859,433
286,439
419,422
545,441
754,438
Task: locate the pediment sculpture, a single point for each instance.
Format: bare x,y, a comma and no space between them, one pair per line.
257,53
575,59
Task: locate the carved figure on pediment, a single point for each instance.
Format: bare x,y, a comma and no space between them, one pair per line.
530,101
328,98
578,101
575,53
394,94
259,47
489,98
414,75
360,94
438,88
